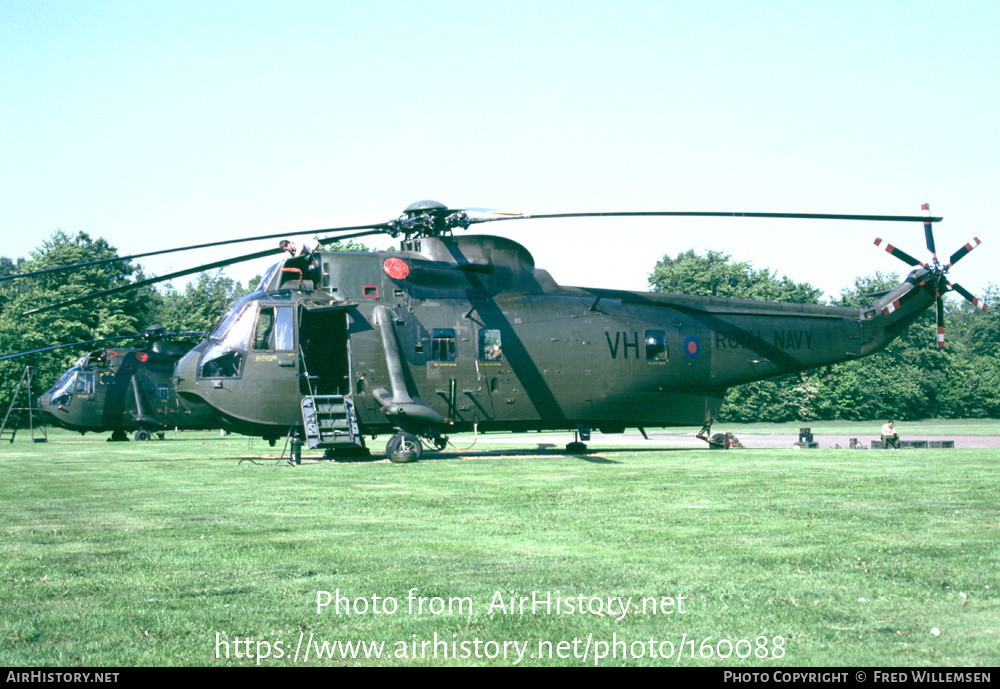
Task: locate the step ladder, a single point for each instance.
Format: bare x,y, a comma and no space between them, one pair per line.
15,413
330,422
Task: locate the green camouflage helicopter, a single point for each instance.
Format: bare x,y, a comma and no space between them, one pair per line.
457,333
123,389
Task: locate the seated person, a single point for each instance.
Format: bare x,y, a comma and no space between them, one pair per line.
890,436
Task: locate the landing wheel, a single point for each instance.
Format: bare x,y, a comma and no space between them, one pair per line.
576,448
719,442
118,436
403,447
142,434
440,443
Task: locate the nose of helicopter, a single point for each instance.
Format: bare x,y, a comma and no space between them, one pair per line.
186,373
44,406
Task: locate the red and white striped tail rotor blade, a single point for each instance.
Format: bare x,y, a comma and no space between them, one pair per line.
897,252
975,301
958,255
929,231
940,321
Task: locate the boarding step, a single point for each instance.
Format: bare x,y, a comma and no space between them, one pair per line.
329,421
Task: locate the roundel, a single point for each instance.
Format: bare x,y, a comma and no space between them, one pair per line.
691,347
396,268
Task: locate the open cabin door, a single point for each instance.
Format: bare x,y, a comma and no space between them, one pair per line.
328,415
325,349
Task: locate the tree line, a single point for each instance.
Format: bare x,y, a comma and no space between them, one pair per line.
910,379
197,308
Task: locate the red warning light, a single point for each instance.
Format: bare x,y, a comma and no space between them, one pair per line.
142,356
396,268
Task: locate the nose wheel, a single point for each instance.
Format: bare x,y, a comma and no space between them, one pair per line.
403,447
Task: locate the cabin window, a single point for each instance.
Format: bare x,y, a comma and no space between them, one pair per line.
656,345
443,344
274,329
490,346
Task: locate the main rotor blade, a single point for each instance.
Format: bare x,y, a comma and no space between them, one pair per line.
898,253
493,216
62,346
186,333
713,214
191,248
389,227
189,271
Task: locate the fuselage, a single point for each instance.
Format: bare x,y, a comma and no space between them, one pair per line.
121,390
460,332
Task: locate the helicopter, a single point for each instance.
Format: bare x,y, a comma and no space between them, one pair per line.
123,389
456,333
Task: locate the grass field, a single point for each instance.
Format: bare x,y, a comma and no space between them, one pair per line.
175,553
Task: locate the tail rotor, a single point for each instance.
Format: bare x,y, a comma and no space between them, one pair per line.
935,272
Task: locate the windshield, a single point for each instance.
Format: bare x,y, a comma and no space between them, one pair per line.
227,321
230,340
266,280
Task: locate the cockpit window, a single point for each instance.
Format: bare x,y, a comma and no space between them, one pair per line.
63,389
230,341
85,383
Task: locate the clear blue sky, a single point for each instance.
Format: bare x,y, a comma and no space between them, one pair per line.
155,124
